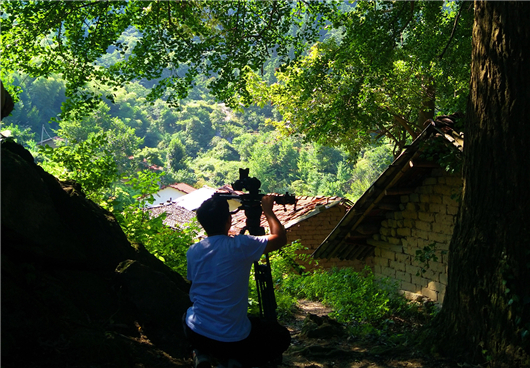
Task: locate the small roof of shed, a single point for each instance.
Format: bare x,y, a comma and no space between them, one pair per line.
349,238
182,187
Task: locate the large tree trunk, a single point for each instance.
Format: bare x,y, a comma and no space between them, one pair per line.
486,311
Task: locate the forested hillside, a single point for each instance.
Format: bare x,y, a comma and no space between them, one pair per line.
317,107
199,141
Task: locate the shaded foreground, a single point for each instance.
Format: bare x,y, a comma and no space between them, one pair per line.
76,293
328,348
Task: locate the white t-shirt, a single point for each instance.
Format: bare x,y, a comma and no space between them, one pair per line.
219,268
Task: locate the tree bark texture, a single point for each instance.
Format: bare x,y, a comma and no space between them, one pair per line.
486,311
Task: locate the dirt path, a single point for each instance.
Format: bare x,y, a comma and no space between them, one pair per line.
342,351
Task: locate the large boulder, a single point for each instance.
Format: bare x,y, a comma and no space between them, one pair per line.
75,291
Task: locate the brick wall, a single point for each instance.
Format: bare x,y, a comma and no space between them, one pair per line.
426,216
312,231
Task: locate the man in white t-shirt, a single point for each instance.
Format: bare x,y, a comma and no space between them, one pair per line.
219,268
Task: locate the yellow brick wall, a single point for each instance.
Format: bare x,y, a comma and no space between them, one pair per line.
425,217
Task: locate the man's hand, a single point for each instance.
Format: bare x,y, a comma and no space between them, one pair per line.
277,236
267,202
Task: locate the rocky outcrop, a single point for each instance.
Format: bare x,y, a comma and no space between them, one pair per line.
75,291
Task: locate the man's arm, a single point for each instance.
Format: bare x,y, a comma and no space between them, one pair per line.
277,236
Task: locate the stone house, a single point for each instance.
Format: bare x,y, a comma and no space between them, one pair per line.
408,212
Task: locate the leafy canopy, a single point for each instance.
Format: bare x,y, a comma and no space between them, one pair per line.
387,68
88,163
177,42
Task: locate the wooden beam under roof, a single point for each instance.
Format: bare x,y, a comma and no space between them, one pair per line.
353,253
368,228
359,252
355,237
388,206
398,191
368,251
341,248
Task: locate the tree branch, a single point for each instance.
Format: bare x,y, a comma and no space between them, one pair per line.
406,125
412,3
452,32
268,26
385,132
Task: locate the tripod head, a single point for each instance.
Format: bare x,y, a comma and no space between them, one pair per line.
246,182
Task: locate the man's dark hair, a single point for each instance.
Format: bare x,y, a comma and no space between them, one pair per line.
213,215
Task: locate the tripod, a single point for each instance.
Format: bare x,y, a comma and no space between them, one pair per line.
262,272
251,204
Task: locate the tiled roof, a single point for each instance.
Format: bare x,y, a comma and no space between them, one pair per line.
176,215
348,239
292,214
183,187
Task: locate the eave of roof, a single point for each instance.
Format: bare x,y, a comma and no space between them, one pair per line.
349,238
182,187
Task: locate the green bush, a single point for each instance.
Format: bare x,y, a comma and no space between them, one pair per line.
95,169
354,297
89,163
369,306
284,266
168,245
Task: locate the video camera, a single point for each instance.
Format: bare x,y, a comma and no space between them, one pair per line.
246,182
251,201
